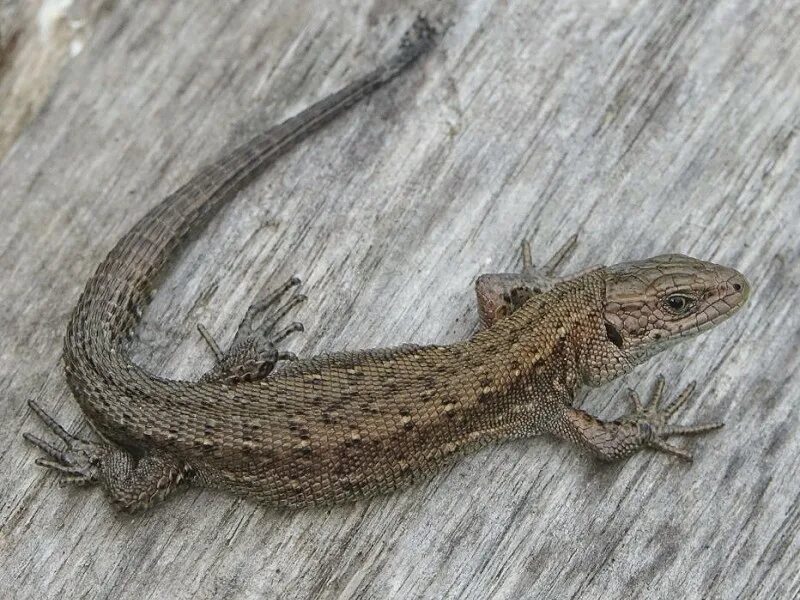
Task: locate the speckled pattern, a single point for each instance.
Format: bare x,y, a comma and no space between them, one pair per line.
345,426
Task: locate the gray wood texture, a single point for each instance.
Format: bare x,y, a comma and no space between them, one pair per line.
647,127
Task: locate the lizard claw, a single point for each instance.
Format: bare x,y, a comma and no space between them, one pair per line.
254,353
79,462
263,316
549,269
652,419
261,307
132,483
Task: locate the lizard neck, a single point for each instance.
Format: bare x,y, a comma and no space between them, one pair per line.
546,348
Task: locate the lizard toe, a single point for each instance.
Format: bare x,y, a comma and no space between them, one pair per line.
79,460
653,419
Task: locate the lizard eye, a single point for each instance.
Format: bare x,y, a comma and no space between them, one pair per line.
679,304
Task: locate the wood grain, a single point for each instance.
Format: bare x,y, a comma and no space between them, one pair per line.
645,126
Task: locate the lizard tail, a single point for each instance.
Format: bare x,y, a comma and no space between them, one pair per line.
112,301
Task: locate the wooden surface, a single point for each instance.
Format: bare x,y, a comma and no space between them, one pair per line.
645,126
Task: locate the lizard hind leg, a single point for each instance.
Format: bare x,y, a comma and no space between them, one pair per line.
131,483
254,353
500,294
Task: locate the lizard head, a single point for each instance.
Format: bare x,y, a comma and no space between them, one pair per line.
652,304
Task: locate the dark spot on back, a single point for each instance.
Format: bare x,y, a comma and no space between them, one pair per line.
485,397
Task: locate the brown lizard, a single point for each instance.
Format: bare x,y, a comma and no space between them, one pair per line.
348,425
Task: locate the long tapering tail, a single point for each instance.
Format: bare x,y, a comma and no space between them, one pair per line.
113,298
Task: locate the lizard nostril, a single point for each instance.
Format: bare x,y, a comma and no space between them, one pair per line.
737,287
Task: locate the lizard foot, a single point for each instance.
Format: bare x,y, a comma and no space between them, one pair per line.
79,463
549,269
132,483
500,294
653,419
254,352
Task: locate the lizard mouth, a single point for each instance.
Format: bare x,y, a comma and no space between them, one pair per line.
728,299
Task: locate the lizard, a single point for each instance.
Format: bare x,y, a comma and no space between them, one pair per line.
348,425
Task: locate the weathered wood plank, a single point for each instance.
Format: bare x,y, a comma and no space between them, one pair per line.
645,126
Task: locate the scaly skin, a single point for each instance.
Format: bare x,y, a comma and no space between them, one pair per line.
344,426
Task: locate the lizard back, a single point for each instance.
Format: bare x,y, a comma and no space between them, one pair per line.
353,424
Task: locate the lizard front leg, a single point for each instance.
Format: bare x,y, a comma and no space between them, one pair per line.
645,427
131,483
254,352
500,294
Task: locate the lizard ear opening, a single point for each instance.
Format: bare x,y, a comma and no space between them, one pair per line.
613,335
